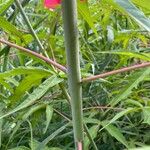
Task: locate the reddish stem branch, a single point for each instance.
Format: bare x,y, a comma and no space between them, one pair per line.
49,61
91,78
62,68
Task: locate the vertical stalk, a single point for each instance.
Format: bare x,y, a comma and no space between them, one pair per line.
69,9
26,19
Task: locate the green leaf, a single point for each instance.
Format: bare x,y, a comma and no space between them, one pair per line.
20,148
32,110
37,94
26,84
36,144
146,115
93,131
49,114
116,133
5,5
133,81
135,13
1,122
36,59
119,115
25,71
143,4
50,137
142,56
85,13
6,85
141,148
134,103
10,28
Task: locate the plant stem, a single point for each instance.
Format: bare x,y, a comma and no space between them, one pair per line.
125,69
30,26
47,60
69,9
62,68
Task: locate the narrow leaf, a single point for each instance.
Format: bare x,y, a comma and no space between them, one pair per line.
135,13
119,115
5,5
93,131
50,137
7,26
49,114
116,133
133,80
37,94
146,115
85,13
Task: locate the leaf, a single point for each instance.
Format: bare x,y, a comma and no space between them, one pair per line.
36,144
25,71
20,148
134,102
36,59
144,4
133,82
93,131
85,13
135,13
49,114
32,110
146,115
50,137
91,120
110,34
142,56
6,85
37,94
1,123
26,84
122,113
119,115
116,133
10,28
5,5
141,148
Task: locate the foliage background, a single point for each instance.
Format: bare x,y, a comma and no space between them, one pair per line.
34,100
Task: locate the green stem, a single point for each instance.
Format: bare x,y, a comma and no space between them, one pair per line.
30,26
69,8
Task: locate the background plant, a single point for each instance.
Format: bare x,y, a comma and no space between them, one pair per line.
35,108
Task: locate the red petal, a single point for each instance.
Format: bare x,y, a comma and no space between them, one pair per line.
51,3
54,3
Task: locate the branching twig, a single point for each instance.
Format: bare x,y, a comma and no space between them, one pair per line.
103,75
49,61
64,69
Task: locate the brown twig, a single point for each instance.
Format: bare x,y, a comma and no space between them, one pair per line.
49,61
62,68
138,66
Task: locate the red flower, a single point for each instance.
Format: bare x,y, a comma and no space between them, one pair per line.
53,3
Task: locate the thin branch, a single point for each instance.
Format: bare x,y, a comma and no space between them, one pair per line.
64,69
103,75
49,61
27,21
